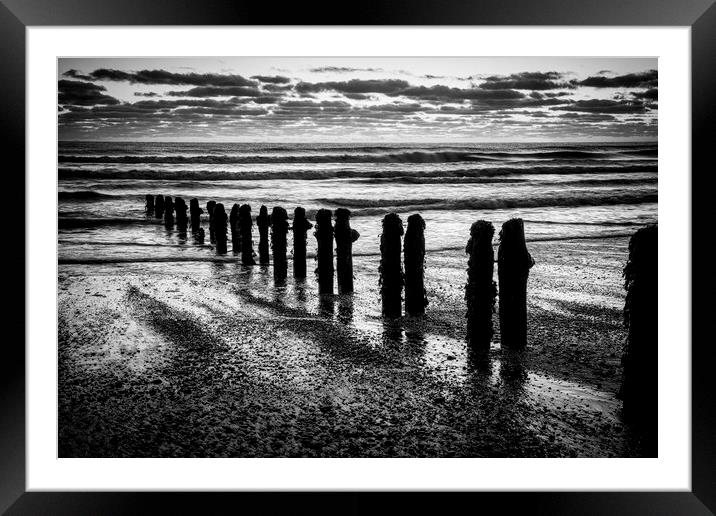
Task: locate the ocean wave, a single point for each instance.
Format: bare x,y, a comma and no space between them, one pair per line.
84,195
88,222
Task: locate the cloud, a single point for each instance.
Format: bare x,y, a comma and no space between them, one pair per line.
214,91
386,86
650,94
164,77
648,79
604,106
80,93
526,81
75,74
272,79
343,69
145,94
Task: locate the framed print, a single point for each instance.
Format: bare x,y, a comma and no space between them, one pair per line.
423,257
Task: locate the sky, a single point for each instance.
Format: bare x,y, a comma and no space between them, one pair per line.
358,99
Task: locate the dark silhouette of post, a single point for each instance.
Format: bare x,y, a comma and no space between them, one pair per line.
247,243
168,211
324,252
195,215
345,236
159,206
300,227
414,261
263,222
149,204
279,230
181,208
513,268
639,381
210,210
220,221
481,289
235,230
391,268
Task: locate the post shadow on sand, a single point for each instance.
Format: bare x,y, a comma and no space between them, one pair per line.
210,211
300,227
247,240
195,214
168,212
324,253
391,268
181,208
345,236
480,289
149,204
513,268
327,304
345,308
263,222
279,230
639,387
414,259
159,206
235,230
220,221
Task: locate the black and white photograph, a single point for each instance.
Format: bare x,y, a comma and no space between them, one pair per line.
354,257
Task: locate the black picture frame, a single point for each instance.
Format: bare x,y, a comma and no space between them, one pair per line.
699,15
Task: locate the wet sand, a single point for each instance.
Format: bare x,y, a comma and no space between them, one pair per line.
212,359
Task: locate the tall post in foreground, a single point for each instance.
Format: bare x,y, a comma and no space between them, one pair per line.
220,221
345,236
149,204
639,383
301,225
235,230
414,261
263,222
391,268
279,230
168,212
480,290
210,210
159,206
180,208
324,252
513,268
247,243
195,215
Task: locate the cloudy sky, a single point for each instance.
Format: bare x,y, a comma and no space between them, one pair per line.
436,99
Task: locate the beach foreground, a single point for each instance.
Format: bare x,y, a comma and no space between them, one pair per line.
213,359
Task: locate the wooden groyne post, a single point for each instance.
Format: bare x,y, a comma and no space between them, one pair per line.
220,221
235,230
639,387
345,236
149,204
513,268
195,215
300,227
168,211
481,289
263,222
279,230
210,210
181,208
324,252
159,206
414,261
391,268
246,227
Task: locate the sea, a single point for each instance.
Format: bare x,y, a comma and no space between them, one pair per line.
561,191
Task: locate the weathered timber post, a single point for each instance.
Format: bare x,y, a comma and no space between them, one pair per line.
300,227
391,268
324,251
159,206
247,243
639,387
149,204
414,261
513,268
220,222
168,211
263,222
345,236
235,230
195,214
210,210
481,289
180,208
279,230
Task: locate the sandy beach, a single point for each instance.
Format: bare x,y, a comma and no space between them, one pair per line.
209,358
